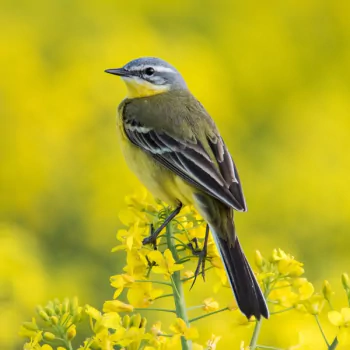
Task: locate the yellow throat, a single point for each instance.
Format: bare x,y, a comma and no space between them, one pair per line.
140,88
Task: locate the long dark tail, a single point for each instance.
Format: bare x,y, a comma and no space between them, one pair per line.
248,294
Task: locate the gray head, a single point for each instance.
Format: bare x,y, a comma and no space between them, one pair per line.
151,74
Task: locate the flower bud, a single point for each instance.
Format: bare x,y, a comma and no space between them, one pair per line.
143,322
65,305
64,318
345,280
31,326
43,315
74,305
135,321
77,317
49,336
54,320
50,308
117,306
126,321
327,290
72,332
259,260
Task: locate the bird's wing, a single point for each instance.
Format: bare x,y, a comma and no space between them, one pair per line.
190,160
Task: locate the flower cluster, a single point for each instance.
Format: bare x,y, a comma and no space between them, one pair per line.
56,325
160,270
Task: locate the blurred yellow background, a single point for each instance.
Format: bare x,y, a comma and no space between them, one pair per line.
275,77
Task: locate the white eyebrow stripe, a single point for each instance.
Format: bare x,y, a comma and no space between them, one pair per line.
156,68
163,69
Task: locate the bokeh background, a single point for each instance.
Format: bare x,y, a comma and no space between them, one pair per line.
276,78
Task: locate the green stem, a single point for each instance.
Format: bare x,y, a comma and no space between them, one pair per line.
267,347
255,335
152,281
320,327
194,307
334,344
178,292
164,296
192,277
153,309
281,311
207,315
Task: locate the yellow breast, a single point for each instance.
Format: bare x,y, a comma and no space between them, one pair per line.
160,181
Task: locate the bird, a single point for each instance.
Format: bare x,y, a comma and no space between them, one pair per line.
175,149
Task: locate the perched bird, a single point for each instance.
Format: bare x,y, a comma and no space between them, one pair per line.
175,149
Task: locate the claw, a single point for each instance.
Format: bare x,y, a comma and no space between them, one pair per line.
200,269
202,255
152,238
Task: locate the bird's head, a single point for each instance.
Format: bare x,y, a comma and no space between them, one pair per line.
149,76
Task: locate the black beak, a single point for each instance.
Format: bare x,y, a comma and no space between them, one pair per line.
118,71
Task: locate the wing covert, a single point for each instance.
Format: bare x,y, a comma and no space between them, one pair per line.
189,160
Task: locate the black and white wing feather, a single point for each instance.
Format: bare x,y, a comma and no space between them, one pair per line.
188,159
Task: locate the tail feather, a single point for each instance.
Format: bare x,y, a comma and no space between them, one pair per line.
246,289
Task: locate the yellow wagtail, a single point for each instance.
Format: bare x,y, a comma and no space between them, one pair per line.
174,147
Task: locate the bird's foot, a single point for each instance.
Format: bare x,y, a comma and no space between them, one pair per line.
152,238
202,256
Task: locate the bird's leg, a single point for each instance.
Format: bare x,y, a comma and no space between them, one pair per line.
202,255
152,238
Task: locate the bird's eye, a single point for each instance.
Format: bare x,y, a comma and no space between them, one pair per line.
149,71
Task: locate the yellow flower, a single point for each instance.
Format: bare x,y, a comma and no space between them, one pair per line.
103,322
120,282
92,312
188,276
232,306
290,267
156,329
141,201
143,294
210,305
166,263
313,305
34,342
136,263
212,342
158,341
117,306
130,238
111,320
29,329
286,264
340,319
179,328
305,290
242,320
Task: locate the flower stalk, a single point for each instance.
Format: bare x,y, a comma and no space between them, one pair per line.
121,324
179,298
